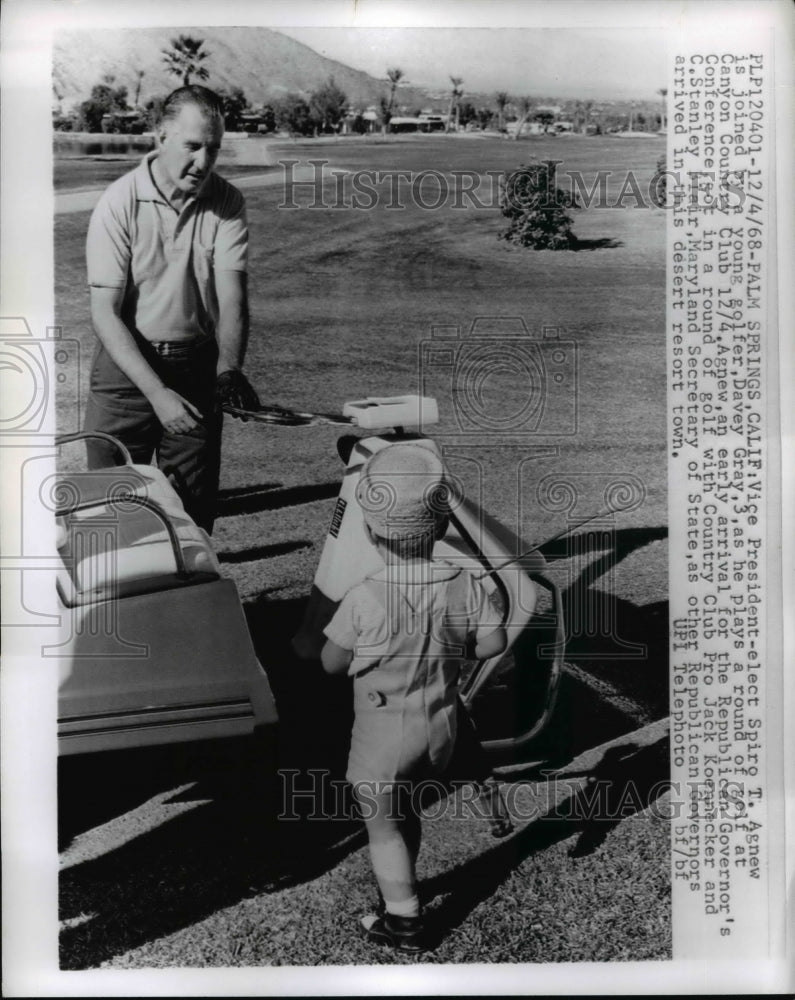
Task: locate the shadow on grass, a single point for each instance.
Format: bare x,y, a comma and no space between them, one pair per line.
600,244
615,678
271,496
231,846
624,784
203,860
620,544
621,646
262,552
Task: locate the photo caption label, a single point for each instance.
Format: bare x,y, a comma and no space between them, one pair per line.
719,343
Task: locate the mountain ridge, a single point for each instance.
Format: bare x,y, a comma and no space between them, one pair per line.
266,64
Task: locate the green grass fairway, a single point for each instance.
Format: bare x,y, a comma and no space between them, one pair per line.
342,300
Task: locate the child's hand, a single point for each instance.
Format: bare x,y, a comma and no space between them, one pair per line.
335,659
493,644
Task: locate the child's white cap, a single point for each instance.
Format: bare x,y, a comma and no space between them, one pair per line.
402,491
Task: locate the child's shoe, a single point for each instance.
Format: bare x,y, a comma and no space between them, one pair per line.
403,933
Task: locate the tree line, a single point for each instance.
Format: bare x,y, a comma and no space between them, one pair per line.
111,108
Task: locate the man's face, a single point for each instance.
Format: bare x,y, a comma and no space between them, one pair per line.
189,146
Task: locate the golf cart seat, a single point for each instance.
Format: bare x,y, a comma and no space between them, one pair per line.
122,531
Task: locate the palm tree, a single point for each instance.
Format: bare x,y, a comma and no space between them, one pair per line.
394,75
526,104
140,74
455,96
663,92
386,114
185,58
582,114
502,99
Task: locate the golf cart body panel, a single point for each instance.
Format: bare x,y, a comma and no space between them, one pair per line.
154,646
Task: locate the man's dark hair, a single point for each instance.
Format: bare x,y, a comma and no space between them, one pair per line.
204,98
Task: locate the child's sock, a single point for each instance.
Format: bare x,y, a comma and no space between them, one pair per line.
403,907
394,868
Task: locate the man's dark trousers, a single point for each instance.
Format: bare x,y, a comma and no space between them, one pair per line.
116,406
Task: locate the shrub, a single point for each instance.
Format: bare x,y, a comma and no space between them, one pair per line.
154,112
64,123
328,106
658,189
360,125
104,99
536,208
294,114
267,117
235,104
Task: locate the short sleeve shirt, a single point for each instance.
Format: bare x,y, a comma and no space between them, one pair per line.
408,635
376,619
164,259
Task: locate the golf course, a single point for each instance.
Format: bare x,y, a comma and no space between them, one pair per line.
174,867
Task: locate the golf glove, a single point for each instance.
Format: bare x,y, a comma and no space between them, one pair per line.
232,388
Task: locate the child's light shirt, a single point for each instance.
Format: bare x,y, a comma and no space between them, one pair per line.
408,627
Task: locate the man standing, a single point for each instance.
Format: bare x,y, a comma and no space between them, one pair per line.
167,254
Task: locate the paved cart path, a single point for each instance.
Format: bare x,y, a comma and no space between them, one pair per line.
84,201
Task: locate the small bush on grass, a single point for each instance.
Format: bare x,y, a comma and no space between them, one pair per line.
536,208
658,189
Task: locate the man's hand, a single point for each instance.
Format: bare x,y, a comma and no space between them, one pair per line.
233,389
174,413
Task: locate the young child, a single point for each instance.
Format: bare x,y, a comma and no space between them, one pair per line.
403,634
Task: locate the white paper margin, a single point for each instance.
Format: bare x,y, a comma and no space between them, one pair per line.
28,764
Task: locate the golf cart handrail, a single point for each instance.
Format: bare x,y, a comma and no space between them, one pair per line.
477,679
481,674
127,497
82,435
147,504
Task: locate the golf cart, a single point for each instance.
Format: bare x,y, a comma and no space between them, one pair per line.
155,648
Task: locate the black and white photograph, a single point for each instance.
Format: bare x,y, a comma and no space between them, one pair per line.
393,386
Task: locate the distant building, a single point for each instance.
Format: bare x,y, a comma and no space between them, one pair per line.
418,123
367,118
430,121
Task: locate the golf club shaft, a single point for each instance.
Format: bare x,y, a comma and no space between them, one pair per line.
566,531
